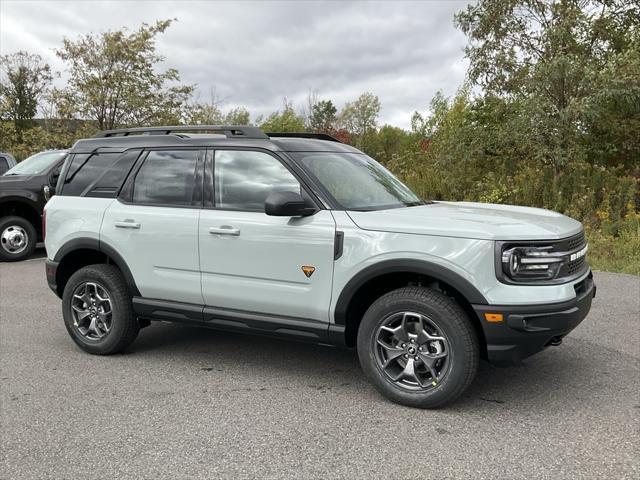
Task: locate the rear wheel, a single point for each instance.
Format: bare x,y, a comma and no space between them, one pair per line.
418,347
97,310
17,239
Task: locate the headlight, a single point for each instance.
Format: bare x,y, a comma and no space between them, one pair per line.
533,263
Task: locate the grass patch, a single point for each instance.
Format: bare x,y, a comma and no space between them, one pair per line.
616,253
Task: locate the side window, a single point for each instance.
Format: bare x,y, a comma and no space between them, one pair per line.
166,178
4,165
108,184
84,170
244,179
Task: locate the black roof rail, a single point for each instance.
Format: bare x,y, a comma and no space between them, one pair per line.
231,131
317,136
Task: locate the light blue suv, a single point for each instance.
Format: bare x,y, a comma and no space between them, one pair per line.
300,236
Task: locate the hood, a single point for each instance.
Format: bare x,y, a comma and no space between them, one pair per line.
16,181
483,221
14,178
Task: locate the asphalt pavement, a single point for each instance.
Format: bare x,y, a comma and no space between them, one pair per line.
186,402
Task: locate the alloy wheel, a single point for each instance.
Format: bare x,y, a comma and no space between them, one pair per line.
91,310
412,351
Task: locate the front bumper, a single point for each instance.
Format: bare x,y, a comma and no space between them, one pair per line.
526,330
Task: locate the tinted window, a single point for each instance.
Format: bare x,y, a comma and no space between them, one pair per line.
243,179
4,165
84,170
109,183
166,178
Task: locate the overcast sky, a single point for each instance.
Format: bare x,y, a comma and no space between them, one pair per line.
256,53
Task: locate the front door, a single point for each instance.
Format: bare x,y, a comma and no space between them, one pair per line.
252,262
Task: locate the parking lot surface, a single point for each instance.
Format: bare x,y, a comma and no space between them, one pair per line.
186,402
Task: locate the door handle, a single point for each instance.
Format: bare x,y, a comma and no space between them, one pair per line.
224,230
127,224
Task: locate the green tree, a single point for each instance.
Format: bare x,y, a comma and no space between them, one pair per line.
211,113
552,58
204,113
322,117
361,116
114,79
237,116
286,120
24,79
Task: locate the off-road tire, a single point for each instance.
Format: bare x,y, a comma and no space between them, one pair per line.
462,341
124,324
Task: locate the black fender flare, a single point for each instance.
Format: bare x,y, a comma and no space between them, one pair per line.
112,253
432,270
20,195
25,198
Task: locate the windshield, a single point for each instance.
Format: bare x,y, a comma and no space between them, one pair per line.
356,181
36,163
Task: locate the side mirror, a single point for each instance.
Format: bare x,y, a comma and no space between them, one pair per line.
287,204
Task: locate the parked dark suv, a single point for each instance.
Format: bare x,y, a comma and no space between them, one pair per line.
24,189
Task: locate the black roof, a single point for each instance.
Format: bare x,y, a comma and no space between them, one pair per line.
193,136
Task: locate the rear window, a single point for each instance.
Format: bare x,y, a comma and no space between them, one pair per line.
111,180
84,170
97,175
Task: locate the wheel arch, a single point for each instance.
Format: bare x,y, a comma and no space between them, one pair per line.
376,280
80,252
23,207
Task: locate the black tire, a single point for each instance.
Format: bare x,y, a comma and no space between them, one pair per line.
6,225
124,325
461,342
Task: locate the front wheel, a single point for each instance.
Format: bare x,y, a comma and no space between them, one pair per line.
418,347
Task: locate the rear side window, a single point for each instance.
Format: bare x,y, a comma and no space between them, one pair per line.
4,165
109,183
166,178
84,170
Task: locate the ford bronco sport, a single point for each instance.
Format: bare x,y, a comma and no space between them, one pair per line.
300,236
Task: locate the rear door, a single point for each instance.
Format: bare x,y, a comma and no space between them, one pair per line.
252,262
153,224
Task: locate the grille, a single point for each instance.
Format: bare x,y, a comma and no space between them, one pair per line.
569,244
576,265
576,241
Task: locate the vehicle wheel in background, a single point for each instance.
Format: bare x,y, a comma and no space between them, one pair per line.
18,239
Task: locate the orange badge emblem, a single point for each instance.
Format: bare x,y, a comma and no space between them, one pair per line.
308,270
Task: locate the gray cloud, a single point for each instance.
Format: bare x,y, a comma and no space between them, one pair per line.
256,53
